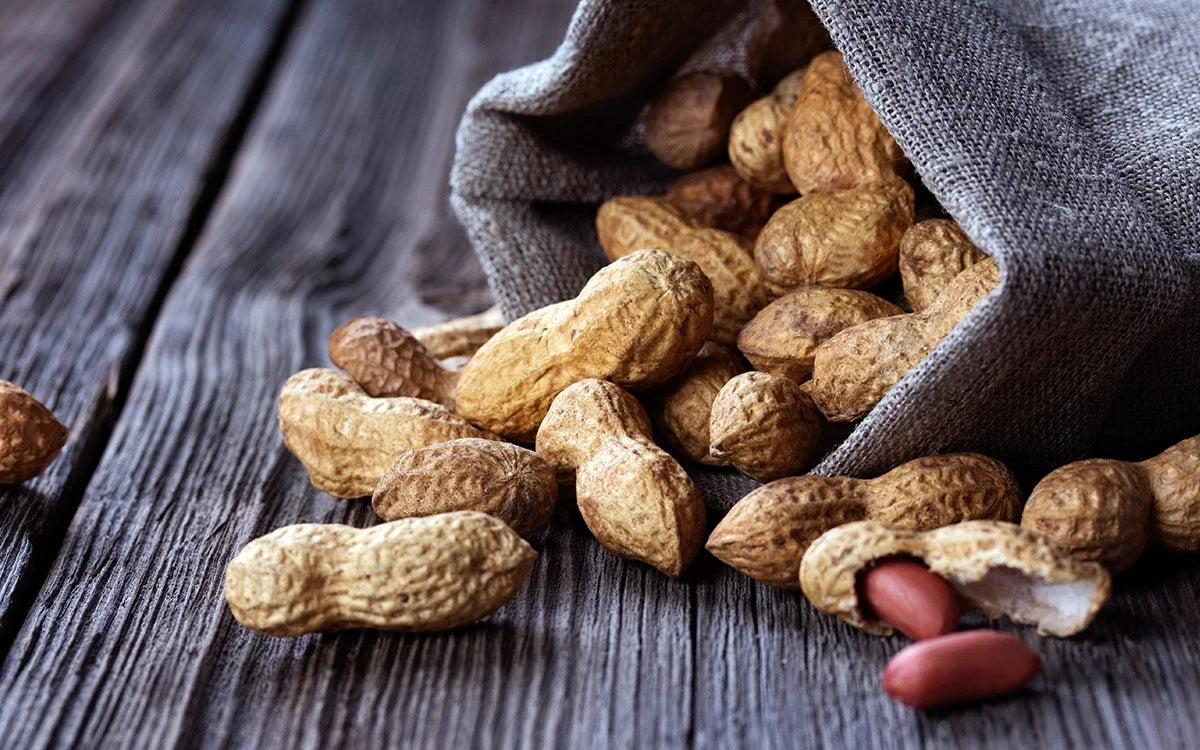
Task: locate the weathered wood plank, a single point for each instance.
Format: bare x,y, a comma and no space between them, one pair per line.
107,131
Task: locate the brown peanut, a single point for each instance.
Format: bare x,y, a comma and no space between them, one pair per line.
628,223
848,239
683,406
637,500
30,435
347,439
638,322
932,253
460,337
764,425
1110,511
994,566
767,533
386,360
960,667
833,140
431,573
855,368
906,596
688,124
756,137
511,483
718,198
783,337
788,35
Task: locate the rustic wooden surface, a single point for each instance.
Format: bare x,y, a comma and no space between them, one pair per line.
192,195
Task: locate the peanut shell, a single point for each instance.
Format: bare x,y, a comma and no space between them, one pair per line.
932,253
460,337
30,436
764,425
386,360
718,198
684,405
688,124
756,138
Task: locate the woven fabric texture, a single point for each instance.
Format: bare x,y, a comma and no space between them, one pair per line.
1064,136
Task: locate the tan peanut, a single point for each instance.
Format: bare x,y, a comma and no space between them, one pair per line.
683,406
932,253
718,198
766,534
855,368
347,439
783,337
994,566
637,500
848,239
30,435
764,425
460,337
958,668
756,137
687,126
431,573
638,322
906,596
386,360
507,481
628,223
833,140
1110,511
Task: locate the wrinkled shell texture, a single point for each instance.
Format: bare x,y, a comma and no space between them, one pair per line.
1095,510
1175,477
685,404
504,480
739,290
848,239
416,574
756,137
387,360
637,501
460,337
348,440
628,223
766,533
833,140
687,125
638,322
764,425
719,199
932,253
30,436
855,368
963,553
783,337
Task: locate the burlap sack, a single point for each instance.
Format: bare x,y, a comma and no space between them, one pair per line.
1063,136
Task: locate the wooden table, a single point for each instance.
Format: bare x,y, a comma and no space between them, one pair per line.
192,195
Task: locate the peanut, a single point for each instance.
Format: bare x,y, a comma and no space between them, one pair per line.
960,667
855,368
718,199
763,425
783,337
847,239
739,290
994,566
509,482
766,534
638,322
688,124
30,435
460,337
1110,511
638,502
833,140
347,439
906,596
756,137
388,361
932,253
417,574
683,406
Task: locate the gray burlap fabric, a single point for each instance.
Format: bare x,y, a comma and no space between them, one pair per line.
1063,136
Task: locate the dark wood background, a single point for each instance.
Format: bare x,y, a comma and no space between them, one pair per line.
192,195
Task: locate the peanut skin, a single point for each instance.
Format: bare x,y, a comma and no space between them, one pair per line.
30,435
638,322
905,595
432,573
637,500
958,668
767,533
386,360
764,425
855,368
